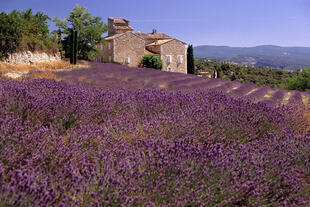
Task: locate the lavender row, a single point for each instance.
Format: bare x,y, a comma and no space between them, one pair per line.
295,98
227,87
119,76
259,93
276,98
243,90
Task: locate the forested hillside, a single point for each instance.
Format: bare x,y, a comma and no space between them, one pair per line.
274,78
287,58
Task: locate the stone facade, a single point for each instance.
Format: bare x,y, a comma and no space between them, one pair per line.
28,58
178,53
106,52
126,47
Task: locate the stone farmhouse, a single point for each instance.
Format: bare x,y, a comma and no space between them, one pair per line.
127,47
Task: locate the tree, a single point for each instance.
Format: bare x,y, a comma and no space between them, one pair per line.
219,71
23,30
89,28
10,34
299,82
233,77
151,61
190,60
36,35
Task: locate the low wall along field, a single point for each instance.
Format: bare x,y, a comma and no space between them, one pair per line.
30,58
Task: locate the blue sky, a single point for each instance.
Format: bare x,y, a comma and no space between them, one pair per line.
198,22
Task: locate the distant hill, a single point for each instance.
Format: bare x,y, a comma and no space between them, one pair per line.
287,58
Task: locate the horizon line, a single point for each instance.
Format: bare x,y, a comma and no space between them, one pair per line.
247,46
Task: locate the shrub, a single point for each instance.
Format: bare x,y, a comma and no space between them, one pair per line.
300,82
151,61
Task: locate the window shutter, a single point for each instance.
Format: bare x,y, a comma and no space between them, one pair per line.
169,59
180,59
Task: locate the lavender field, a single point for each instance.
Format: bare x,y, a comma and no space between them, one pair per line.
117,136
118,76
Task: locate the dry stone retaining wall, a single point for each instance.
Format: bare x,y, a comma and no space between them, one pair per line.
30,58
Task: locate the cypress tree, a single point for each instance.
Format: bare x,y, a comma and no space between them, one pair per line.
190,60
75,47
71,47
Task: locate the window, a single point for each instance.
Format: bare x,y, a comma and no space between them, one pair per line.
110,59
169,59
180,59
127,61
109,46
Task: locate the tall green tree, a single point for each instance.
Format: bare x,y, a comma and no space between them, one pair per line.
89,28
36,35
219,71
190,60
10,34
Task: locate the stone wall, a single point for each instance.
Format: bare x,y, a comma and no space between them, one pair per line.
174,48
29,58
106,52
130,46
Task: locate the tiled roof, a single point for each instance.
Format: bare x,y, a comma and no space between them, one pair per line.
120,34
159,42
153,35
113,36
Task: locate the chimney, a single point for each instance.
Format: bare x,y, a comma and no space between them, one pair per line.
111,30
154,31
118,26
